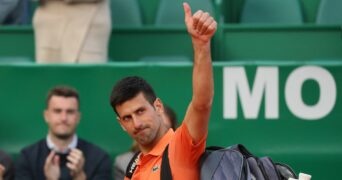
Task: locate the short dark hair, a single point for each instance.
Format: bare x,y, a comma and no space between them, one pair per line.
64,91
129,87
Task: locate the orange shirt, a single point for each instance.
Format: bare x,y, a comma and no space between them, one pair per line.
183,157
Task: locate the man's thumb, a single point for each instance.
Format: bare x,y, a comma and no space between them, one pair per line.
187,11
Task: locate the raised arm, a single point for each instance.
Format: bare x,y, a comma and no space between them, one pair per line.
201,27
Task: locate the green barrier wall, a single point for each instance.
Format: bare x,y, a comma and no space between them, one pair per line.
231,42
309,140
305,42
135,44
17,42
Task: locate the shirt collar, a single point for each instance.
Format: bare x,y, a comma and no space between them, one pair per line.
52,146
163,142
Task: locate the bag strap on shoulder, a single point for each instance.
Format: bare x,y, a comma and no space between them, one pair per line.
165,173
132,165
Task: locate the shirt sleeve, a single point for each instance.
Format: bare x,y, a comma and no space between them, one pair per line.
184,154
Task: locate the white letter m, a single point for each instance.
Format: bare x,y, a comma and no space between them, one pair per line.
235,84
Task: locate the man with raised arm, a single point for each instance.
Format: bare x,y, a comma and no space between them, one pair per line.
139,111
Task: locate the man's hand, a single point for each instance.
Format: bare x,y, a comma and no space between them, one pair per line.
201,26
75,164
51,166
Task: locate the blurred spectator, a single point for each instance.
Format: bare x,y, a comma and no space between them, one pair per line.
62,155
6,167
72,31
14,12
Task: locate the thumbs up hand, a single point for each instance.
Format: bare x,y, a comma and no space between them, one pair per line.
201,25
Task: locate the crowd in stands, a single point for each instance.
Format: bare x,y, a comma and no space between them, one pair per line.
81,34
67,31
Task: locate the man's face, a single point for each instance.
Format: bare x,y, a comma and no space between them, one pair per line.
62,116
140,119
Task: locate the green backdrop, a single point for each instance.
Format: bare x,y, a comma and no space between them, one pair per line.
310,146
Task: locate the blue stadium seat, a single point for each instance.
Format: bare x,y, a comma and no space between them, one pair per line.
272,12
330,12
170,12
126,13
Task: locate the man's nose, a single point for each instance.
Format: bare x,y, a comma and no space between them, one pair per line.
64,116
137,122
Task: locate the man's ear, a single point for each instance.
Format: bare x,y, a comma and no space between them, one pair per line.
158,105
45,114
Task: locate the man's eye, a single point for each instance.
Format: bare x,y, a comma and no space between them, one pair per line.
140,111
126,118
71,111
57,111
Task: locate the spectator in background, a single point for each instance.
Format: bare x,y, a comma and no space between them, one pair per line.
62,155
121,161
14,12
6,167
72,31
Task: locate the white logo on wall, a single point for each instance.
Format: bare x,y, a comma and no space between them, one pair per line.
266,85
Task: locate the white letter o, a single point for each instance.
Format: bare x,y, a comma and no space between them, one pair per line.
293,95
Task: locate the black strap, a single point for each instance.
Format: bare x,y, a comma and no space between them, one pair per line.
132,165
165,173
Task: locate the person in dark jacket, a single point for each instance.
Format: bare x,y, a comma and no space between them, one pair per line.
62,155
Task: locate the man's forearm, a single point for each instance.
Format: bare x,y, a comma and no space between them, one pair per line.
203,83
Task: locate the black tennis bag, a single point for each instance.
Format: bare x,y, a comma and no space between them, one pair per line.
237,163
231,163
